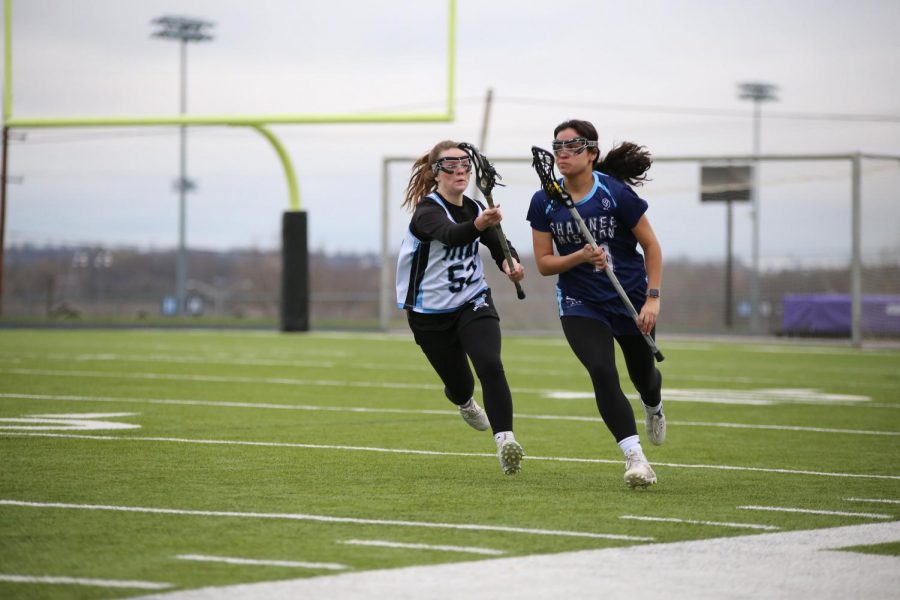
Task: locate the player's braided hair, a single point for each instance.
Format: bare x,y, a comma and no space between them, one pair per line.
627,162
423,179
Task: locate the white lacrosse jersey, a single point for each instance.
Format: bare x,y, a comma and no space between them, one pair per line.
435,278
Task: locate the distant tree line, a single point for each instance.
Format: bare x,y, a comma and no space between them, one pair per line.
72,282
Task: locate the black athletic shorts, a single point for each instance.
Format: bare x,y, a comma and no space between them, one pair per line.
441,328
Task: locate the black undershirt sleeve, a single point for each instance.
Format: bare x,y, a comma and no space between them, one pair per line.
430,222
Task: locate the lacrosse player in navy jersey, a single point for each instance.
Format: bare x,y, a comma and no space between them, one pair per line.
441,285
591,312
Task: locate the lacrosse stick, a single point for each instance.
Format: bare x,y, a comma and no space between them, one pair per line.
486,178
544,163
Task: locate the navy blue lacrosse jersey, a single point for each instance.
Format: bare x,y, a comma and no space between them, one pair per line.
610,211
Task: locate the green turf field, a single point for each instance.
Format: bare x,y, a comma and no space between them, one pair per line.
251,456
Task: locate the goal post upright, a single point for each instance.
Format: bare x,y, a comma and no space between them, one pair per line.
294,293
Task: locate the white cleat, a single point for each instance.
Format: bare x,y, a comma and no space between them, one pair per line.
510,454
475,416
656,427
638,472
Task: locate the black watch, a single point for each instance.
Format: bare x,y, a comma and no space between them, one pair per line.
653,293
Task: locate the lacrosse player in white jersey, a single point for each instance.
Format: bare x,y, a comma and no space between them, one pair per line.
441,285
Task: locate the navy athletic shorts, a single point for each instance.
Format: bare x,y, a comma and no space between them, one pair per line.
619,324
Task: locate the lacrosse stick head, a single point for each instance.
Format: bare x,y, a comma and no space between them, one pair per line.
485,175
544,163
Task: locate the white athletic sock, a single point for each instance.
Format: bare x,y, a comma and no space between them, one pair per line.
630,442
652,410
503,436
468,404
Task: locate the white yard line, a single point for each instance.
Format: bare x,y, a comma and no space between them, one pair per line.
436,453
105,583
255,562
222,379
226,404
875,500
801,565
455,414
405,546
519,363
731,379
217,360
750,397
326,519
109,357
696,522
783,428
807,511
761,397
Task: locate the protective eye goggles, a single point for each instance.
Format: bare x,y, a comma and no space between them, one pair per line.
576,145
451,164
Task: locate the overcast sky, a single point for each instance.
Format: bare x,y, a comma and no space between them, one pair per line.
662,73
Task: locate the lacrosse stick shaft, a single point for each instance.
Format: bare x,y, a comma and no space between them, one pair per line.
615,281
504,245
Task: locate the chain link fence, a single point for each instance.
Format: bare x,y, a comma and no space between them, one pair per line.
829,247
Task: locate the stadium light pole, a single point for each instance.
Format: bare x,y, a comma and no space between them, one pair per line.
183,30
757,92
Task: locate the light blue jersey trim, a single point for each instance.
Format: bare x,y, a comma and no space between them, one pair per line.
605,189
436,197
590,194
432,311
593,191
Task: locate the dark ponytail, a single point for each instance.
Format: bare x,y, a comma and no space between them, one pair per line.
627,162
